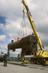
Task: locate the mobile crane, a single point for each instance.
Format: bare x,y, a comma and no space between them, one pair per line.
41,56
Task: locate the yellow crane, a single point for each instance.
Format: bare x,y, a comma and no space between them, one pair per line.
41,55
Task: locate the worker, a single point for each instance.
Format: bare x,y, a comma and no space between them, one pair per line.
5,60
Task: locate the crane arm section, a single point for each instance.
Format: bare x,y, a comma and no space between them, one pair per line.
33,25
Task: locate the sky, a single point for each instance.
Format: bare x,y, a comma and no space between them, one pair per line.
12,25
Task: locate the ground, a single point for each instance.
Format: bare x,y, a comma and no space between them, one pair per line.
23,69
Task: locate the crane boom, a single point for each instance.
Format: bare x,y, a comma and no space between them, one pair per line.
33,25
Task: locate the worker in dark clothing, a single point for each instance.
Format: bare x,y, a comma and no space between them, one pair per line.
5,60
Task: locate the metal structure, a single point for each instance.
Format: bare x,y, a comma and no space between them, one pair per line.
28,45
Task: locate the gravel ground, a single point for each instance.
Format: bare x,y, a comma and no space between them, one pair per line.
23,69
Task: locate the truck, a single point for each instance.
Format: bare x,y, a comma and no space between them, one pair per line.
41,56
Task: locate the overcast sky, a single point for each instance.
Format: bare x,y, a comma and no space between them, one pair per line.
11,20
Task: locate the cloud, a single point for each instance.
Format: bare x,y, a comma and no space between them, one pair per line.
2,37
10,8
16,29
13,9
43,36
1,26
41,12
13,25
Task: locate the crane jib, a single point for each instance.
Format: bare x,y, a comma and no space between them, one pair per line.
33,25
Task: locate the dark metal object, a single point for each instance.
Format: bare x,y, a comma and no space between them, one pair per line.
28,45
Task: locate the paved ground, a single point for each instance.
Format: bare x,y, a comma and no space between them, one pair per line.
23,69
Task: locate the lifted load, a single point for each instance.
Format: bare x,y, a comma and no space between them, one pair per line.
28,45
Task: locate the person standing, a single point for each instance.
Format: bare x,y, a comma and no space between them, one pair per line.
5,60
